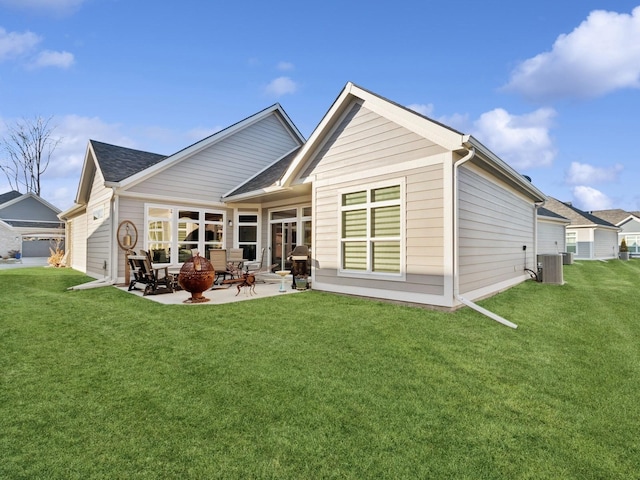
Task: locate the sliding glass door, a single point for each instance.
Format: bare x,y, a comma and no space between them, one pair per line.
289,228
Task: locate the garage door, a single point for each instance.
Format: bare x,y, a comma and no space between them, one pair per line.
37,247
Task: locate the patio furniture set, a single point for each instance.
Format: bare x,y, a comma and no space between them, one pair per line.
224,269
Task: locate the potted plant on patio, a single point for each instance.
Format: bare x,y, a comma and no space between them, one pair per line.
624,250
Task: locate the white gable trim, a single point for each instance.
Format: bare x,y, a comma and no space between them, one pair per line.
491,158
88,169
630,218
27,195
395,113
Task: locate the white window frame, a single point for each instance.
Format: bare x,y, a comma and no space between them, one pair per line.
174,220
299,220
369,206
236,229
574,244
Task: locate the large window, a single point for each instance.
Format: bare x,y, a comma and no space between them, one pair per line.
248,234
174,234
371,226
572,246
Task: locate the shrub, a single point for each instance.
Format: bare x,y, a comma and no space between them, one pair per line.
57,256
623,246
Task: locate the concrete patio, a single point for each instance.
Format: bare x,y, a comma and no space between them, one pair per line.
222,294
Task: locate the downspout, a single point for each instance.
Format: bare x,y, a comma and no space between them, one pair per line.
456,255
113,267
535,231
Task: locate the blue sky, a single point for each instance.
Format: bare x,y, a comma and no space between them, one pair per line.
551,87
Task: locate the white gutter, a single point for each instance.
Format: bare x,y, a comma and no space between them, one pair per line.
537,206
103,282
112,266
456,256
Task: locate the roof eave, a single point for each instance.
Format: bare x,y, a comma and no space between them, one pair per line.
471,142
254,194
72,211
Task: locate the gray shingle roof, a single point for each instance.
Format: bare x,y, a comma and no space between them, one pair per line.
614,216
118,163
544,212
267,177
575,215
7,197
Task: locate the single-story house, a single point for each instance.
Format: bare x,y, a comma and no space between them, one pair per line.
588,237
392,204
552,236
629,224
28,224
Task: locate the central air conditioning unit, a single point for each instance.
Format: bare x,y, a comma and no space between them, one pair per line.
567,258
550,268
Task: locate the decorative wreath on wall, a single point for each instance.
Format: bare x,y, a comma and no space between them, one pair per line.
127,235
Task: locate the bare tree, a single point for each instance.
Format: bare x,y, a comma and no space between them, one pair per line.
28,145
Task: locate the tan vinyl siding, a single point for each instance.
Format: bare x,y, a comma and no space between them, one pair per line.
551,237
78,228
425,221
134,210
364,141
494,224
98,230
209,174
423,256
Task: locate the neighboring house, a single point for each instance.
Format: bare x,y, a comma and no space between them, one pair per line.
589,237
29,224
629,224
552,236
392,204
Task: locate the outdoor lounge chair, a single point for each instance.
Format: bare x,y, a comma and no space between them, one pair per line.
235,261
144,276
218,258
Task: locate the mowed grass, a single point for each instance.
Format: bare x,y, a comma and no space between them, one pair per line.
103,384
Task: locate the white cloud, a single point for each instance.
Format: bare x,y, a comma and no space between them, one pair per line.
14,44
601,55
585,174
422,109
591,199
285,66
75,132
281,86
60,181
523,141
47,58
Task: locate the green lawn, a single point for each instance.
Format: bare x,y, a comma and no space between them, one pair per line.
103,384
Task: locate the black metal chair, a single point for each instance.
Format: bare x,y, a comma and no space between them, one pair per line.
152,280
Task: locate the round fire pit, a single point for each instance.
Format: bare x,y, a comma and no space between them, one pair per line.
196,276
